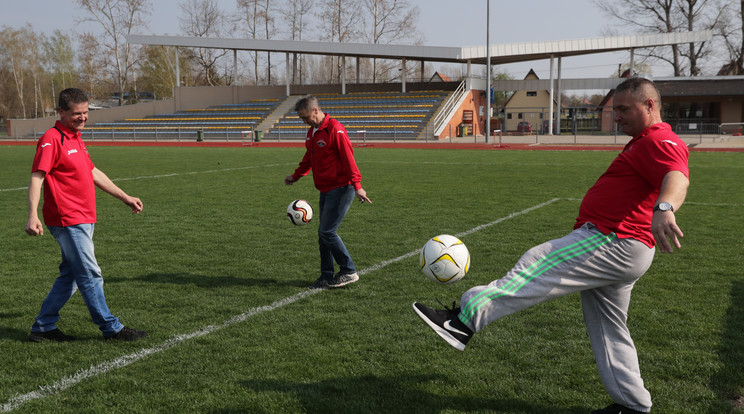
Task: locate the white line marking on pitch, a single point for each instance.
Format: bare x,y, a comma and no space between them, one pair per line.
121,362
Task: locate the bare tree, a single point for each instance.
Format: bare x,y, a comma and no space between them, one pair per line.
59,62
203,18
708,13
732,35
248,21
257,20
158,69
294,15
341,20
118,18
19,51
269,31
668,16
92,65
390,21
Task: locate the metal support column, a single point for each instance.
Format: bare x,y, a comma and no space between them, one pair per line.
343,75
550,124
488,69
288,75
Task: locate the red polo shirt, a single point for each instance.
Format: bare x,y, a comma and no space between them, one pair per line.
623,198
330,156
69,191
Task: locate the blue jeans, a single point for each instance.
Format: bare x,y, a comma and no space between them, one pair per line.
78,268
333,207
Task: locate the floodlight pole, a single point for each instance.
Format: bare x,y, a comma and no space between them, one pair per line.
488,69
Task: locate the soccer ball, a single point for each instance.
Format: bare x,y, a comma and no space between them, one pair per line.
299,212
445,259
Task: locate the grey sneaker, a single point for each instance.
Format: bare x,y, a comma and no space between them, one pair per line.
127,334
446,324
54,335
343,280
320,283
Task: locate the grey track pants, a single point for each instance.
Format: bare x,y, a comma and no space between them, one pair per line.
604,269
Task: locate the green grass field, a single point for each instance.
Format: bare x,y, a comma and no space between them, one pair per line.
214,271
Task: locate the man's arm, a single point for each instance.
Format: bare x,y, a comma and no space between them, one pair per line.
104,183
664,224
34,226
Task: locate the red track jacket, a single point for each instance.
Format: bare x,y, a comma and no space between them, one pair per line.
330,156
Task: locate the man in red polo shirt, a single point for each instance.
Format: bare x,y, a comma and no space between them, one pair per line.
64,169
335,174
628,211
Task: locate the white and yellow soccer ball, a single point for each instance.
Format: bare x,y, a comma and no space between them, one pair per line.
299,212
445,259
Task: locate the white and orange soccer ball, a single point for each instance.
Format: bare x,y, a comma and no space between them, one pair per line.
299,212
445,259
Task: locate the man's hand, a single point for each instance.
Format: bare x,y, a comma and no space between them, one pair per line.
34,227
135,203
362,196
664,228
288,180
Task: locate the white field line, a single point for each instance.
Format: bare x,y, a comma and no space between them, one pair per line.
147,177
121,362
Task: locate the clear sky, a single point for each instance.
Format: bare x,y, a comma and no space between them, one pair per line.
442,23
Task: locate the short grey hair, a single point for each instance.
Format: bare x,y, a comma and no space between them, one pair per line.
306,103
637,86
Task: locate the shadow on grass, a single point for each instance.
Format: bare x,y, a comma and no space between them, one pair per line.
371,394
14,334
207,281
728,383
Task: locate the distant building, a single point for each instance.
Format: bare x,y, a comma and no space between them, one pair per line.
694,105
439,77
528,106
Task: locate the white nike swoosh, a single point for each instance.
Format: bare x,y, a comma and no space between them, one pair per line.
673,143
449,327
45,145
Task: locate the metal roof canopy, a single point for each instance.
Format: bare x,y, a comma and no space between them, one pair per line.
500,54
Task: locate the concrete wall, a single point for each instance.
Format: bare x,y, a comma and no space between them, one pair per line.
206,96
32,128
474,101
732,110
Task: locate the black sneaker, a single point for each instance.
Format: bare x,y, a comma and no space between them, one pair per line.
616,409
446,324
320,283
127,334
343,280
53,335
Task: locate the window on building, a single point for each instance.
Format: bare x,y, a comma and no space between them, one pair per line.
519,115
531,93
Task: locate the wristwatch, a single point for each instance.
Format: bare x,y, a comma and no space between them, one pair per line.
663,206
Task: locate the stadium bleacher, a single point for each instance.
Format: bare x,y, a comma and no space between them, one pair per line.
374,115
223,122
